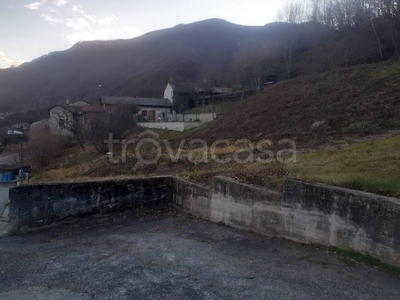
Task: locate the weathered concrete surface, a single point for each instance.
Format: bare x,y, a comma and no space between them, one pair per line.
309,213
32,205
246,207
175,126
192,198
118,256
343,218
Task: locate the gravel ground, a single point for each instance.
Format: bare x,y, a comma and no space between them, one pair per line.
165,255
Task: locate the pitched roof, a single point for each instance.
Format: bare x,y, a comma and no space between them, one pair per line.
151,102
95,108
72,109
80,102
184,87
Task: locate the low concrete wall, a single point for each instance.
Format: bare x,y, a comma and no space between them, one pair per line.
308,213
175,126
343,218
32,205
304,212
246,207
192,198
203,117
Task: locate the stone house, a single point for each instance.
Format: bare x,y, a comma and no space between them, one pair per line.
62,120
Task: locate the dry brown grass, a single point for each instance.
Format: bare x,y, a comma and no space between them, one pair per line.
44,149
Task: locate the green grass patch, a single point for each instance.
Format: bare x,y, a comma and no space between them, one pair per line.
372,167
382,187
386,70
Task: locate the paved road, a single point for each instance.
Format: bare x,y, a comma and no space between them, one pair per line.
131,256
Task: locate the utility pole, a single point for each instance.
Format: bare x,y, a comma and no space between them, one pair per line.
21,158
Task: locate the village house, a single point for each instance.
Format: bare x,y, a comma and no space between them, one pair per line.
41,126
61,121
150,109
184,95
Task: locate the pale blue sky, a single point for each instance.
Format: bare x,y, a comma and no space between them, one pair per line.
31,28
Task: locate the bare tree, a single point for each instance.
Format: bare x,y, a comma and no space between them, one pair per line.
293,11
315,10
390,22
377,37
116,122
289,42
44,148
71,123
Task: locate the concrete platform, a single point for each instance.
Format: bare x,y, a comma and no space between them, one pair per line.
166,255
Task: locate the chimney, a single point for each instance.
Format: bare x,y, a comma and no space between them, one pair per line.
67,100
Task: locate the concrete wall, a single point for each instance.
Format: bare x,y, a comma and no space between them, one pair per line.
192,198
347,219
175,126
304,212
204,117
308,213
32,205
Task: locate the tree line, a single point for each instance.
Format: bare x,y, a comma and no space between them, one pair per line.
339,14
321,35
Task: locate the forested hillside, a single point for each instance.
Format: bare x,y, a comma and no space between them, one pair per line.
311,37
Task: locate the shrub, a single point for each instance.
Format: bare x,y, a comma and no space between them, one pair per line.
44,149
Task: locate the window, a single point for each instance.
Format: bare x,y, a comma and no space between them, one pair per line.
61,122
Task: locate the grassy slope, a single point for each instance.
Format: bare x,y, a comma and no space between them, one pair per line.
352,102
373,166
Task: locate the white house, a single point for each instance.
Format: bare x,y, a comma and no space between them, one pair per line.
183,95
169,92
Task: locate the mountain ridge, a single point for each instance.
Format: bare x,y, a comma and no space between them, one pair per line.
215,50
138,66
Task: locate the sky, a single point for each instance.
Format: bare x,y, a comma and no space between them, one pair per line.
32,28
